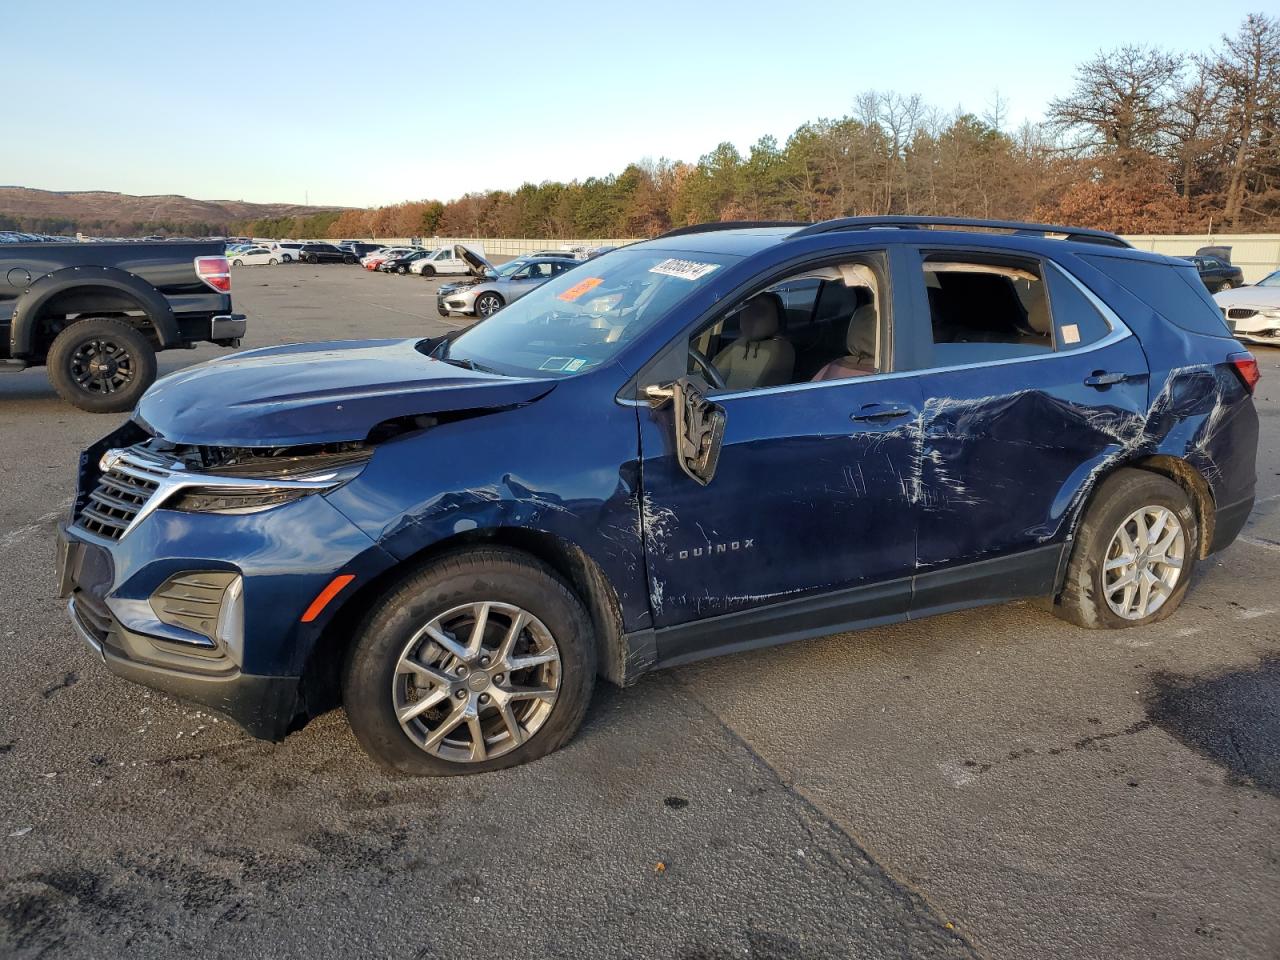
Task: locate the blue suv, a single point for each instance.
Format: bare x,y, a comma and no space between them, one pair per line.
730,436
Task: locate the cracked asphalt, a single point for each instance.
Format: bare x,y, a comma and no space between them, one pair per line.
992,783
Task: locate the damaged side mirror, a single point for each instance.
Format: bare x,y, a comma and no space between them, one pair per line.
699,426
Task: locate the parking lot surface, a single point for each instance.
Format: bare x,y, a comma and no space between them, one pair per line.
988,783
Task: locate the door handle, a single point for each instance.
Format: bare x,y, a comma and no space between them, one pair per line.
874,411
1104,378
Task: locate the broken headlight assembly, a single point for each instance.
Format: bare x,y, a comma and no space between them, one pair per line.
251,480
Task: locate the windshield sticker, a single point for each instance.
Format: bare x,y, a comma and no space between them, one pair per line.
581,287
577,363
684,269
556,363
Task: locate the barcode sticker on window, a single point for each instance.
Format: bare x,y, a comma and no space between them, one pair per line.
684,269
1070,333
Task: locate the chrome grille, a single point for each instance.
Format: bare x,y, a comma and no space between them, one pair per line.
124,488
1240,313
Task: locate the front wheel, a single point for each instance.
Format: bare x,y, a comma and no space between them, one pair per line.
273,261
484,659
428,271
237,263
487,304
1134,554
101,365
348,259
1223,286
402,269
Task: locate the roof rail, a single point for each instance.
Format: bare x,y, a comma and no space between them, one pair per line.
1079,234
730,225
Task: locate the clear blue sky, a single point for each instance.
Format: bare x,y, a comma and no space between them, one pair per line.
363,103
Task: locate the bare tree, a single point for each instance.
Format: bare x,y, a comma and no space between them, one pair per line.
1248,68
1120,104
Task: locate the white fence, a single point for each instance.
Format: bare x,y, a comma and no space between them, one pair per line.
1255,253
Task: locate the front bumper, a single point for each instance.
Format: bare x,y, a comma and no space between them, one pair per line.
264,706
456,301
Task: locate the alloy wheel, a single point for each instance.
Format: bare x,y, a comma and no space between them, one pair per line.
1144,562
488,305
102,366
476,681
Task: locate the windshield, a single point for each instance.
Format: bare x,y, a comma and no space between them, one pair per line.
508,268
584,317
1270,280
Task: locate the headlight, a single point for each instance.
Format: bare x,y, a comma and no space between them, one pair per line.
256,487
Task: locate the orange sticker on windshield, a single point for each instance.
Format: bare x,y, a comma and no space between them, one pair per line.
581,287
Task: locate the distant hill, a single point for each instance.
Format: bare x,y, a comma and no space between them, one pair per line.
121,214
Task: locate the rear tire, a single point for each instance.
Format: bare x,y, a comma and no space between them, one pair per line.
1127,507
379,682
402,269
101,365
237,263
1224,286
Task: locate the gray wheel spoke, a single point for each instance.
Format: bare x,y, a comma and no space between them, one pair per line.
446,641
529,693
433,674
512,635
532,660
447,726
477,632
478,749
512,724
423,705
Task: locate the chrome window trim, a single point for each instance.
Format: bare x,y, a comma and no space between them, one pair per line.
1118,333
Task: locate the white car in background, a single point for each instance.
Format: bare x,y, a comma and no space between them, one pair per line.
253,256
287,250
385,253
445,261
1253,311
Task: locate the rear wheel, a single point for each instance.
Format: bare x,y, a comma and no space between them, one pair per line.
487,304
402,269
237,263
1224,285
348,259
101,365
482,660
1134,554
312,258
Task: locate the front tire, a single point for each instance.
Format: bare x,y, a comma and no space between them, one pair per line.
101,365
237,263
487,304
482,660
273,261
1134,555
402,269
428,271
312,259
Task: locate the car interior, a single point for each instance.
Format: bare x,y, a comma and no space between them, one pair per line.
823,324
827,324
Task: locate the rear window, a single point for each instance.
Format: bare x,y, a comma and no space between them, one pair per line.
1175,292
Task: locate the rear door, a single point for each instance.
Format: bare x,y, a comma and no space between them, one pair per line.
1030,385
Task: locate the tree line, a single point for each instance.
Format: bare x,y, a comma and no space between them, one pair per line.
1145,141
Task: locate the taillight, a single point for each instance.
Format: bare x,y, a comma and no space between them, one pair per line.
215,271
1246,369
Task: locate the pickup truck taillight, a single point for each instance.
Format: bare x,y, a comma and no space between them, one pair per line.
215,271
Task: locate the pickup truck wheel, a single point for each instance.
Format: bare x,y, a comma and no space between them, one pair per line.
1134,555
482,660
101,365
487,304
428,271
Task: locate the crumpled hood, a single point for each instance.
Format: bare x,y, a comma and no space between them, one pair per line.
318,393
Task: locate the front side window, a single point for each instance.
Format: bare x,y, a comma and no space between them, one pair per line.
584,317
1270,280
820,324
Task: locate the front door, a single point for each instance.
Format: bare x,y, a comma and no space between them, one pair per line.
808,520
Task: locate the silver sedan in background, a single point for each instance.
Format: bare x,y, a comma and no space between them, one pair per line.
490,288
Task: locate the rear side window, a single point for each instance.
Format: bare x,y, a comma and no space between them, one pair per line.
986,307
1077,323
1175,292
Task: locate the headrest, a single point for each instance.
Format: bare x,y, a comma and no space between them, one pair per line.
861,339
759,318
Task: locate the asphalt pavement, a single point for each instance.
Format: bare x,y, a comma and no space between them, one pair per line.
991,783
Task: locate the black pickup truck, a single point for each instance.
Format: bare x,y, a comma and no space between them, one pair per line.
96,313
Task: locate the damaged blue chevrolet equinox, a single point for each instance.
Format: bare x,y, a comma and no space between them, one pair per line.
731,436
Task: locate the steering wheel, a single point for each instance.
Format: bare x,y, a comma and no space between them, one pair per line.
711,373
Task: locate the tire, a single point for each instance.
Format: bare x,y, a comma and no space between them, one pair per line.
237,263
131,365
487,304
402,270
442,311
1084,600
312,259
428,271
273,261
395,627
348,259
286,258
